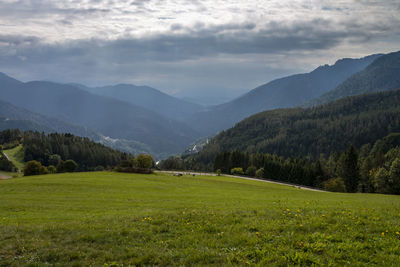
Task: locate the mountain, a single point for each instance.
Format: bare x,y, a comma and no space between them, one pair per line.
299,132
13,117
149,98
383,74
26,120
289,91
108,116
23,125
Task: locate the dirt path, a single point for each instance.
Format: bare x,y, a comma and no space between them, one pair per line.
4,177
246,178
4,153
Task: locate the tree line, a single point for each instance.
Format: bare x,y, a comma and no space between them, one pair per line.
58,149
372,168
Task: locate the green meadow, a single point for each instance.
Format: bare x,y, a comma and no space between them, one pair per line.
16,156
117,219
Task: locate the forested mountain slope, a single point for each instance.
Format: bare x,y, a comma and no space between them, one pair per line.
16,117
299,132
383,74
286,92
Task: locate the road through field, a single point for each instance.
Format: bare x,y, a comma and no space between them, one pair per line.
246,178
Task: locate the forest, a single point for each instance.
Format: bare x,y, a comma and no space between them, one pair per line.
53,149
374,168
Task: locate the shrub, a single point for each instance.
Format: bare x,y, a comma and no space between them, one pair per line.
70,165
34,167
99,168
60,166
251,171
260,173
238,171
52,169
335,185
219,172
144,161
44,170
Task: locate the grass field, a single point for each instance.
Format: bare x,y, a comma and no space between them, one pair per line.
116,219
16,156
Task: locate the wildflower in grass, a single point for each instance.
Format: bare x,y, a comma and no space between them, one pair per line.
301,225
397,233
146,219
383,233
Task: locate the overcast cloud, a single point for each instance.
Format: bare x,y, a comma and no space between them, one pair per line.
188,47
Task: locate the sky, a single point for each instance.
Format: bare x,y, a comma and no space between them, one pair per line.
189,48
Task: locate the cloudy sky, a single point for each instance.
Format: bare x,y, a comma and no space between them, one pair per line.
188,47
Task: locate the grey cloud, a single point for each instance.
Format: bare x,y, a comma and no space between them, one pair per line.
201,41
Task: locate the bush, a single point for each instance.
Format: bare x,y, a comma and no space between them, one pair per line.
70,165
144,161
54,159
219,172
60,167
52,169
251,171
34,167
43,170
260,173
238,171
99,168
335,185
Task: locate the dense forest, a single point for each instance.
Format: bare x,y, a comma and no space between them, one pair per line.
373,168
309,132
348,145
51,149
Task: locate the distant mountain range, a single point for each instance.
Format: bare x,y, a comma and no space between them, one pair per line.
142,119
149,98
108,116
285,92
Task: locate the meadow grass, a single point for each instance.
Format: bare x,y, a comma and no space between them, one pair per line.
117,219
16,156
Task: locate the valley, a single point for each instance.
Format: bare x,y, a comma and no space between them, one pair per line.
199,133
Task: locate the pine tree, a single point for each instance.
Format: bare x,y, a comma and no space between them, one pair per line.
349,169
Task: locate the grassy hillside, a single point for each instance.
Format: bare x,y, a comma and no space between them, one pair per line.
16,155
115,219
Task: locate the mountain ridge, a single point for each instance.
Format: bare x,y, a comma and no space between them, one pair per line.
106,115
279,93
